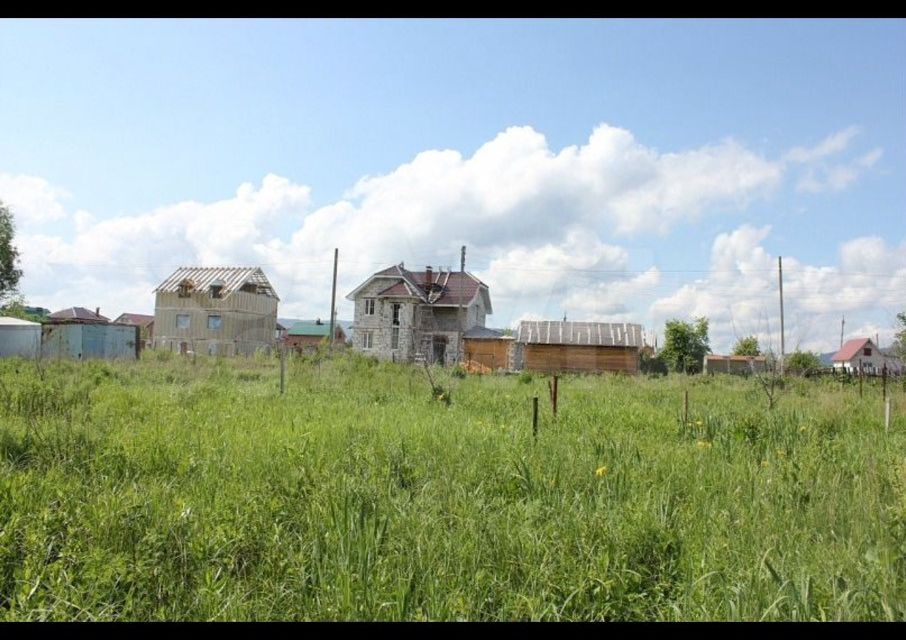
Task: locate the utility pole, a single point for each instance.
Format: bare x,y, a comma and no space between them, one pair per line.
462,284
842,324
782,343
333,299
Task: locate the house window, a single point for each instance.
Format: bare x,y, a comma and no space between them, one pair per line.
396,314
216,291
214,322
182,320
369,306
866,351
212,348
366,339
395,338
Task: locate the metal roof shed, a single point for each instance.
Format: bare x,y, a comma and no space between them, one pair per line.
19,338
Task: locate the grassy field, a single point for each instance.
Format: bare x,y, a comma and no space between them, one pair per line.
171,490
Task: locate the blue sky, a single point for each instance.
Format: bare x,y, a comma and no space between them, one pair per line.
125,146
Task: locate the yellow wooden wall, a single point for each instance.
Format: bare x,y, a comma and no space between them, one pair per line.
553,358
489,353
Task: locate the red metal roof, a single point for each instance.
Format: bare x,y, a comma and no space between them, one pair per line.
450,288
78,313
849,349
136,319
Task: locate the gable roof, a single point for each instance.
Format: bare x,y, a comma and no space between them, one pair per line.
446,288
598,334
137,319
849,349
80,314
232,278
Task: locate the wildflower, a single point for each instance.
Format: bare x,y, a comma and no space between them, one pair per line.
699,423
601,472
703,444
802,429
765,464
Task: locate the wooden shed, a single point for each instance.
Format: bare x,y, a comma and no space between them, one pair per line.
553,346
488,348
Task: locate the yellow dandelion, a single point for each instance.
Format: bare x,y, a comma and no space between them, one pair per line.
802,429
703,444
601,472
699,423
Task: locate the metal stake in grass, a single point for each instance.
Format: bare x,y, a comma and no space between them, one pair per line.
535,417
282,368
553,390
685,408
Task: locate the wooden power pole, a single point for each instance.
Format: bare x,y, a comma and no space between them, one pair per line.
462,285
333,299
782,343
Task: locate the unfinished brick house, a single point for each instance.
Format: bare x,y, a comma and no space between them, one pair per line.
415,316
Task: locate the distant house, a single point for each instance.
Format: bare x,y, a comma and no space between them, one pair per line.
310,333
280,332
417,316
554,346
144,322
738,365
78,314
215,310
859,353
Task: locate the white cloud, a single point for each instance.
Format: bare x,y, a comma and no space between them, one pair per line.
740,294
831,145
32,200
541,221
821,176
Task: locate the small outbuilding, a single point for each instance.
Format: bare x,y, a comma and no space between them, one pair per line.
308,334
84,340
19,338
489,349
553,346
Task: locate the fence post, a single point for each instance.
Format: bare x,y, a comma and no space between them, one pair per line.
884,381
556,378
282,369
535,417
860,378
886,415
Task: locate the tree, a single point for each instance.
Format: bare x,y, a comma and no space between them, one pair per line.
747,347
802,362
9,273
899,345
685,345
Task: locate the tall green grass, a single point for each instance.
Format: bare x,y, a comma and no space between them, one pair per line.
168,489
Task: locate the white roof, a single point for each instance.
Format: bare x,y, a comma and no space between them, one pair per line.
15,322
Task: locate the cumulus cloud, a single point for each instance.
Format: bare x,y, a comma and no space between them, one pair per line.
541,227
32,200
740,293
